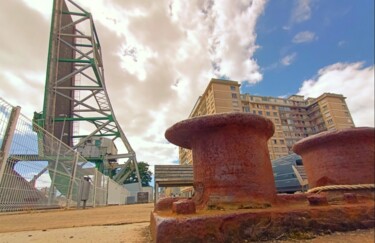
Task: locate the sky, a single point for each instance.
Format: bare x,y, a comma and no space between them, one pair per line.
159,56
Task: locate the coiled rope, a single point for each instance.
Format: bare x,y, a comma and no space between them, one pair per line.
341,187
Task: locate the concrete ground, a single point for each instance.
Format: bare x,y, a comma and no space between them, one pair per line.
127,223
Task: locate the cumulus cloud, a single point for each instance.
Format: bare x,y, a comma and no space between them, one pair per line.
304,36
158,58
288,59
354,80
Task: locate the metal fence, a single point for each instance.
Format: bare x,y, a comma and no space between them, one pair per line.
38,171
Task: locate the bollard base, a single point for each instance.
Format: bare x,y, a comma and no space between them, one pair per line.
260,224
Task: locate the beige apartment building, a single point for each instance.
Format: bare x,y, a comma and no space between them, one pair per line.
294,117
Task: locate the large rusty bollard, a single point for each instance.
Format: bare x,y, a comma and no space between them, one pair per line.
230,158
344,157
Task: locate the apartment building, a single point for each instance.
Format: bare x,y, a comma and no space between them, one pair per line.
294,117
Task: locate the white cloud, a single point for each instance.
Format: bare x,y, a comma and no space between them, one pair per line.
158,58
354,81
304,36
288,59
232,41
301,12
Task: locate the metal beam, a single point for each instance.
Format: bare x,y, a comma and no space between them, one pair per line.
8,138
80,88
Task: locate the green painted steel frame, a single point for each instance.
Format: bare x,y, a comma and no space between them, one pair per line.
85,53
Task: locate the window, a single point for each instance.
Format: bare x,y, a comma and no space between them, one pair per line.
233,88
254,112
260,113
268,113
273,107
330,121
275,114
234,96
281,141
267,106
246,109
274,141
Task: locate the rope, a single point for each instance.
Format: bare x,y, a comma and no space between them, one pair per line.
341,187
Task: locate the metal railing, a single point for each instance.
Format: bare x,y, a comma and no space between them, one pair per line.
39,171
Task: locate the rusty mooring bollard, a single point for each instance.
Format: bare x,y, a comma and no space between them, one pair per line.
344,157
231,159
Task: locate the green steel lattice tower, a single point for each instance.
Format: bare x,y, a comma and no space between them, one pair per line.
76,98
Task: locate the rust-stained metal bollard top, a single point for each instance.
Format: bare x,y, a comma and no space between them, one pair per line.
350,135
183,132
344,157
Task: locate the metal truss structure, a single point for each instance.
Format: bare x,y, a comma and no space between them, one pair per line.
76,99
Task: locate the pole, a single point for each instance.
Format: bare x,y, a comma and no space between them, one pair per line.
8,138
52,187
71,183
94,184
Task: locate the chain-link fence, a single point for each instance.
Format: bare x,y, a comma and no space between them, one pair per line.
38,171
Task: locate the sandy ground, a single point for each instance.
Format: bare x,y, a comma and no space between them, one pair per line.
56,219
128,224
137,233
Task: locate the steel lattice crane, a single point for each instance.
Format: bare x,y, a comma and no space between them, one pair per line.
76,98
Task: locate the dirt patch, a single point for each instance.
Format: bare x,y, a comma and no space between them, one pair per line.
57,219
137,233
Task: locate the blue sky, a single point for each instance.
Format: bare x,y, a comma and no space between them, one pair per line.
342,30
159,56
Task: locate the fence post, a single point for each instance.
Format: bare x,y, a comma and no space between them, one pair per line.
94,183
8,138
72,179
52,193
107,191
